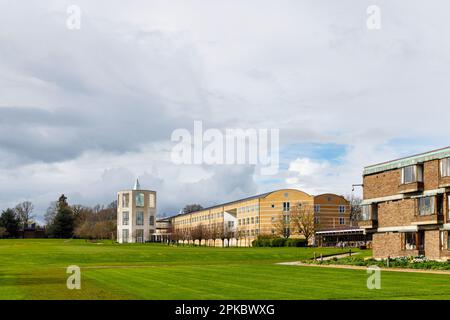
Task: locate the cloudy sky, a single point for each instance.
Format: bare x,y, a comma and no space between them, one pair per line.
84,112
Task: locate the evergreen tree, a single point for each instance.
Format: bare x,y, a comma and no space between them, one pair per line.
64,221
10,222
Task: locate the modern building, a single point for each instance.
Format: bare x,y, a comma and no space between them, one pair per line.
334,225
163,230
136,215
239,222
406,206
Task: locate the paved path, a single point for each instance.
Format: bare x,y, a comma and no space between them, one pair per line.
339,266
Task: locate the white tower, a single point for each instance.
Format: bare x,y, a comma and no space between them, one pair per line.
136,214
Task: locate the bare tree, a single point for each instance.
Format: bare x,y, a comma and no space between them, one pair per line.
302,217
283,225
355,208
199,233
24,212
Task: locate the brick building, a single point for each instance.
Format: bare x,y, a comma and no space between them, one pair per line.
406,206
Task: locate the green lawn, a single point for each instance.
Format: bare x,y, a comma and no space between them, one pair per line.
36,269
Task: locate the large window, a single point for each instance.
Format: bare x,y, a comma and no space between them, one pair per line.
139,200
125,200
341,220
445,167
412,174
317,208
151,200
286,206
151,220
426,206
365,212
341,209
125,235
139,218
125,218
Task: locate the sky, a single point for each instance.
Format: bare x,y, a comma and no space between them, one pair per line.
85,111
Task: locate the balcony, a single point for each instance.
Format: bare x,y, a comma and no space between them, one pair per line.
369,216
444,182
427,219
368,224
410,187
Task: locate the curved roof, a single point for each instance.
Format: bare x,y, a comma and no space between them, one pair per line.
262,195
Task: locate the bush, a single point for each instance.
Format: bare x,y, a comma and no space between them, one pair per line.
267,241
296,243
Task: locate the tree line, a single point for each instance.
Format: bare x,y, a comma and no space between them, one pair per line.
62,220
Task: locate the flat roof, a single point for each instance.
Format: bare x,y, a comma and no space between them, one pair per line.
408,161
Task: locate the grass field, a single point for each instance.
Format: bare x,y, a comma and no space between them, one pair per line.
36,269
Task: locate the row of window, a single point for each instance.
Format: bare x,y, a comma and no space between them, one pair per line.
139,218
247,221
139,200
341,220
427,205
202,218
341,208
253,232
251,208
414,173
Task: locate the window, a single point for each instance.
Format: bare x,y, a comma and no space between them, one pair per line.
248,221
411,174
286,219
151,200
286,195
341,220
445,167
152,220
140,235
448,240
316,220
341,209
125,235
257,220
253,220
286,206
369,212
426,206
317,208
125,218
230,224
239,222
139,200
140,218
125,200
410,241
273,206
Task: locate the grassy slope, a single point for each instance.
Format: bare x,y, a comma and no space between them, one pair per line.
35,269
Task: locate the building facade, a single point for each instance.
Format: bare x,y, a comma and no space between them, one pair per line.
334,225
242,221
406,206
136,215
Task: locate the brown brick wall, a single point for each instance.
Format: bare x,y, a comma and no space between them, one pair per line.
431,175
396,213
381,184
387,244
432,244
